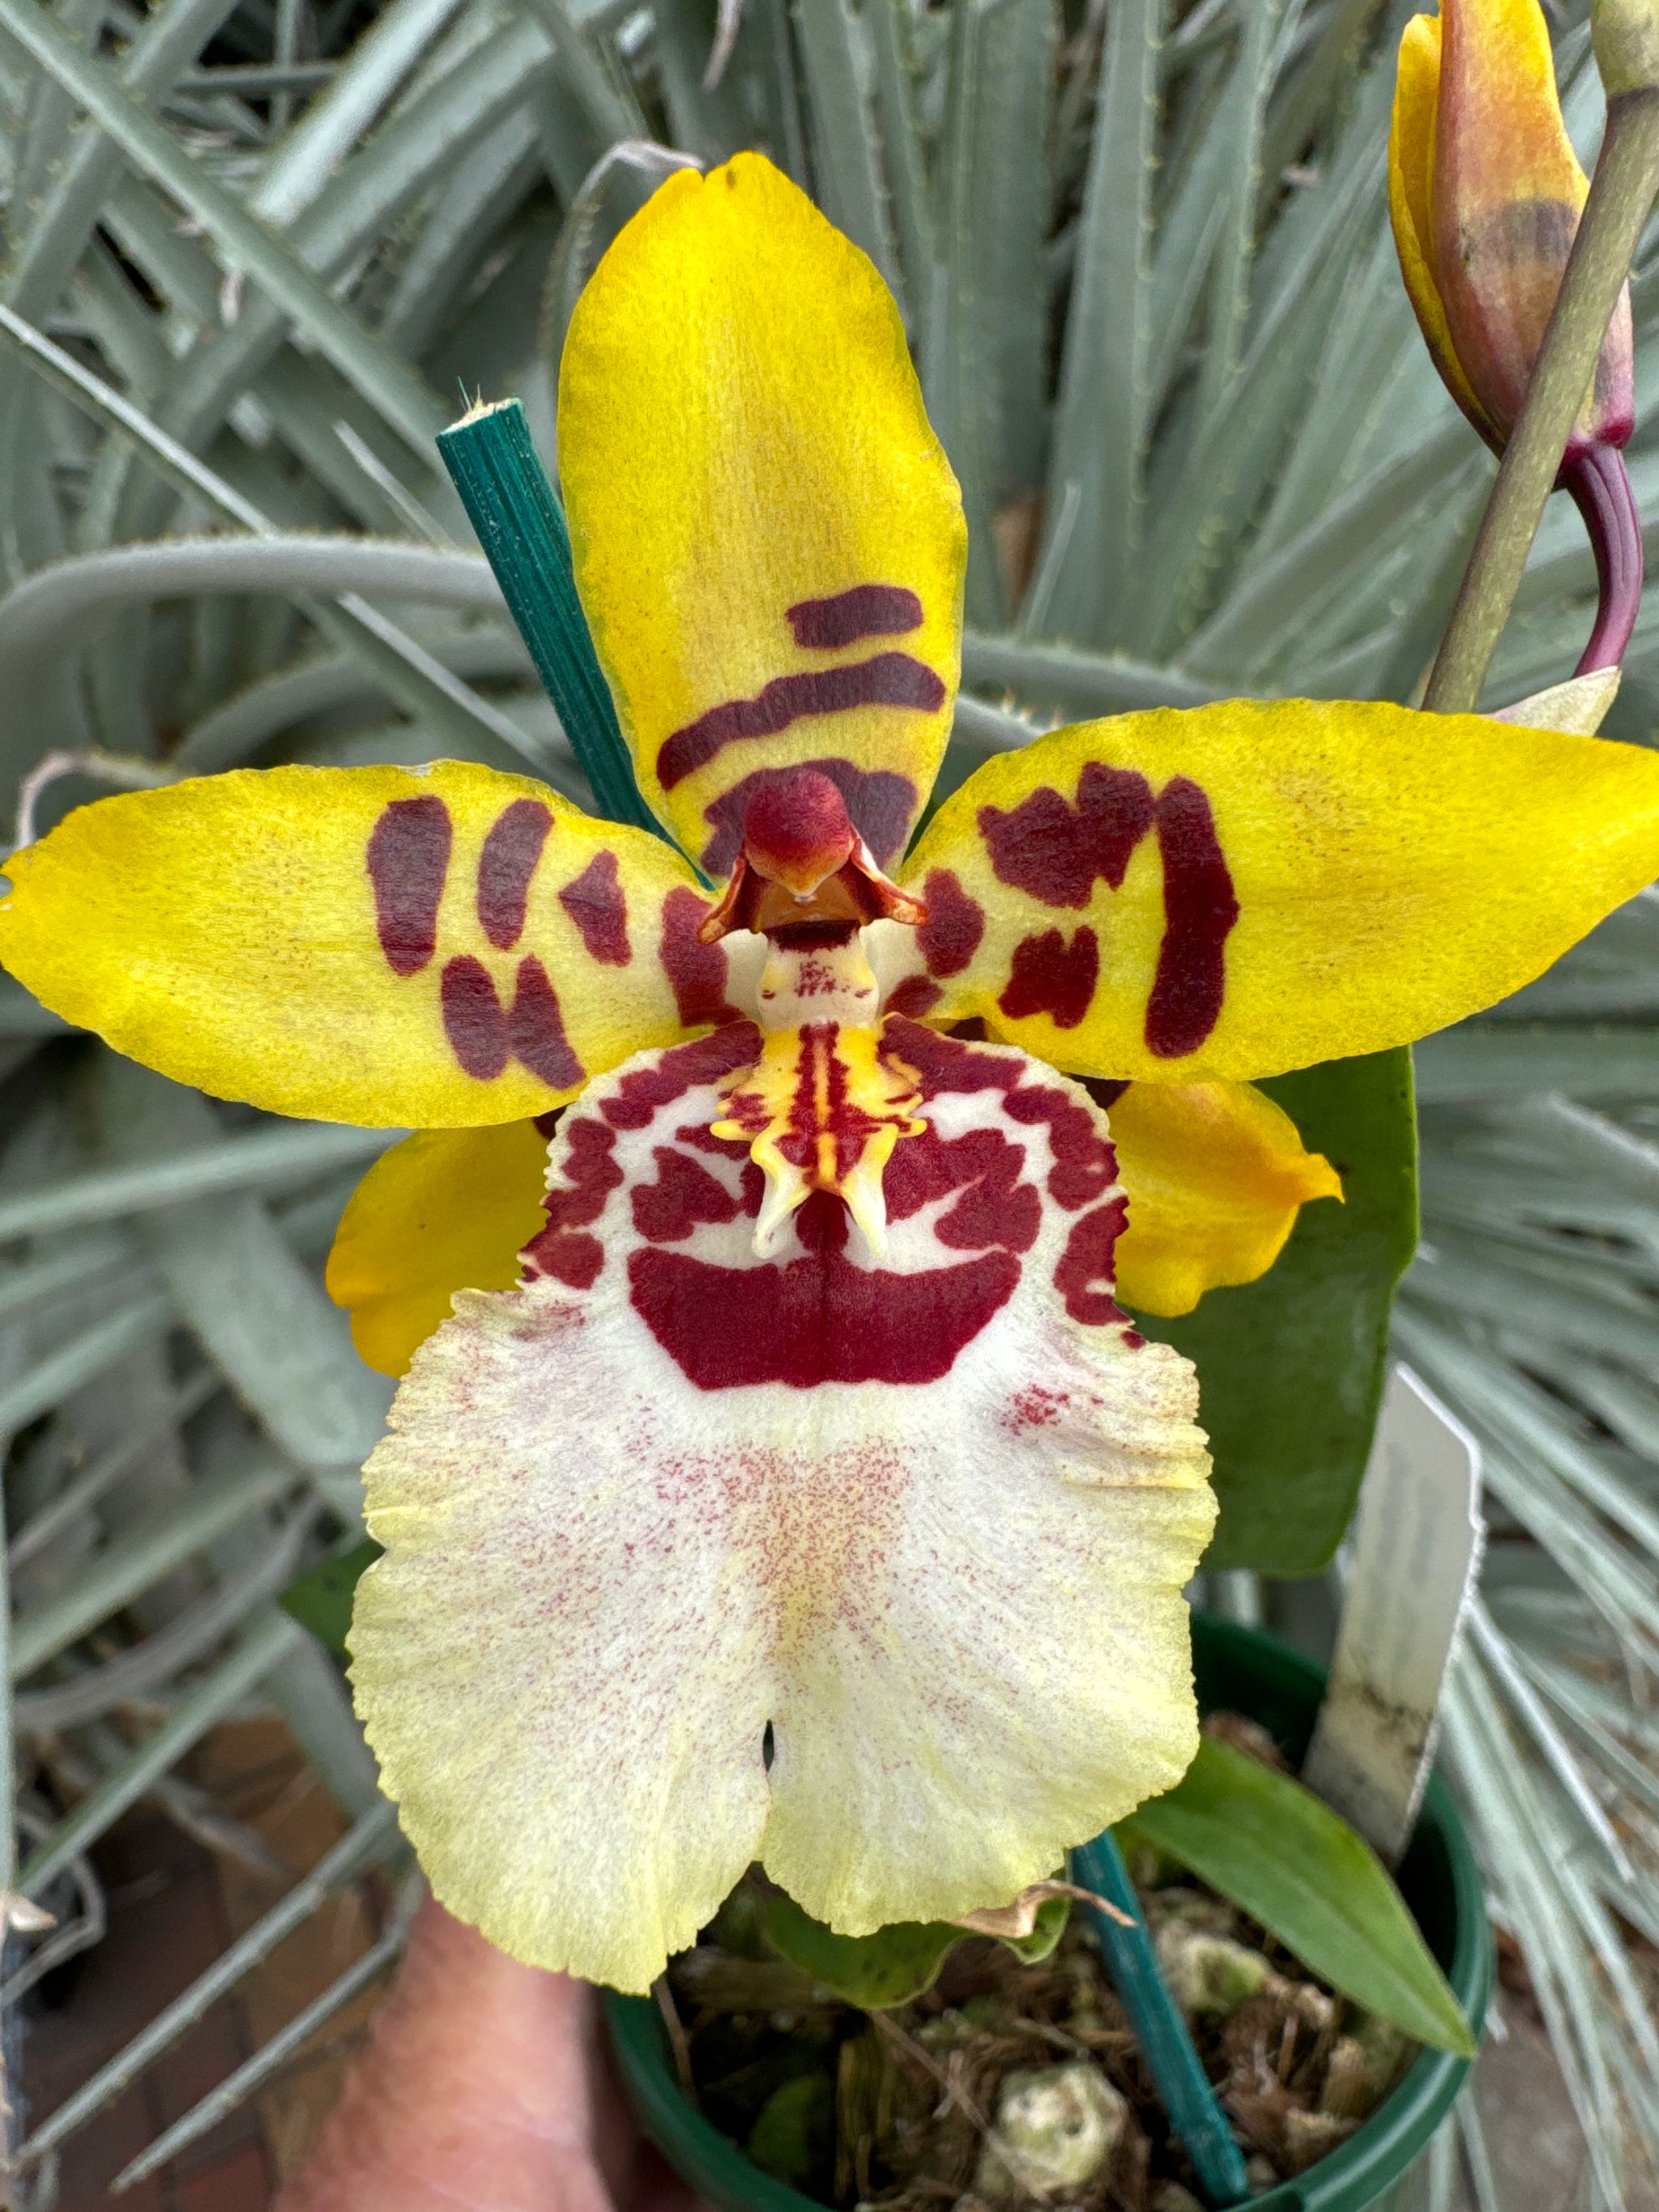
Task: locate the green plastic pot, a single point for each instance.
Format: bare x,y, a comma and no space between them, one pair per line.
1247,1671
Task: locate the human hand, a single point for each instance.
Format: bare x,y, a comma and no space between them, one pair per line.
485,2087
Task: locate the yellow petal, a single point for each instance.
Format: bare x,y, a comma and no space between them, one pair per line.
628,1528
447,1210
1233,890
442,947
1216,1174
1411,177
1507,190
766,530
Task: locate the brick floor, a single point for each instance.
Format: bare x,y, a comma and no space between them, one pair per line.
166,1922
173,1906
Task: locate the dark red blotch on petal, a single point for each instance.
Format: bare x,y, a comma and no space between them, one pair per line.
1051,977
1199,909
408,858
949,937
505,866
915,997
697,973
887,679
866,611
474,1021
536,1028
597,904
1055,851
484,1036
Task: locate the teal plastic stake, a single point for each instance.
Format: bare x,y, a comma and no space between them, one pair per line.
1195,2113
496,468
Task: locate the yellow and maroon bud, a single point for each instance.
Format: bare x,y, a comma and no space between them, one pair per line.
1484,192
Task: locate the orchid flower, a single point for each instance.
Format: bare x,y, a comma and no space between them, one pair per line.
810,1499
1484,192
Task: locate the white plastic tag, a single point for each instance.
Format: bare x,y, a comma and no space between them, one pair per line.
1416,1551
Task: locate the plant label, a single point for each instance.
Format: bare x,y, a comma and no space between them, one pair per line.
1416,1550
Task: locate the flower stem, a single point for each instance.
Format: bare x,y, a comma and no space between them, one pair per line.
521,527
1194,2112
1621,193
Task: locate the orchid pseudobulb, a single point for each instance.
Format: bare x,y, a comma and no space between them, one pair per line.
801,1492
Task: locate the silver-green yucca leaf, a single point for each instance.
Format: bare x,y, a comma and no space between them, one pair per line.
252,255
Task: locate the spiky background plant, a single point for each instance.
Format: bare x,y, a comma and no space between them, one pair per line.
254,247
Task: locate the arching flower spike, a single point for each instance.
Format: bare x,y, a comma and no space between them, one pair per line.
813,1421
1484,192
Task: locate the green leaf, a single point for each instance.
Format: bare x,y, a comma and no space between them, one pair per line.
1286,1859
874,1973
794,2138
895,1963
321,1601
1291,1368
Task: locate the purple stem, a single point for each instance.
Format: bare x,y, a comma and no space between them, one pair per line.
1600,489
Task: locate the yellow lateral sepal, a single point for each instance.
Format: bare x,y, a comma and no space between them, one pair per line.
446,1209
1216,1175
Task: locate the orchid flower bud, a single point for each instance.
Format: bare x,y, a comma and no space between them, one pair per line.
1484,192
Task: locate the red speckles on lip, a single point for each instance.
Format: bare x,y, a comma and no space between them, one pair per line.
1051,976
1035,1408
597,905
505,866
407,859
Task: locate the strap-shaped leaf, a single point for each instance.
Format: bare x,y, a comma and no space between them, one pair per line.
1286,1859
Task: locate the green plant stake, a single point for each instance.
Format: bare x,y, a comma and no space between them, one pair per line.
1182,2084
521,527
